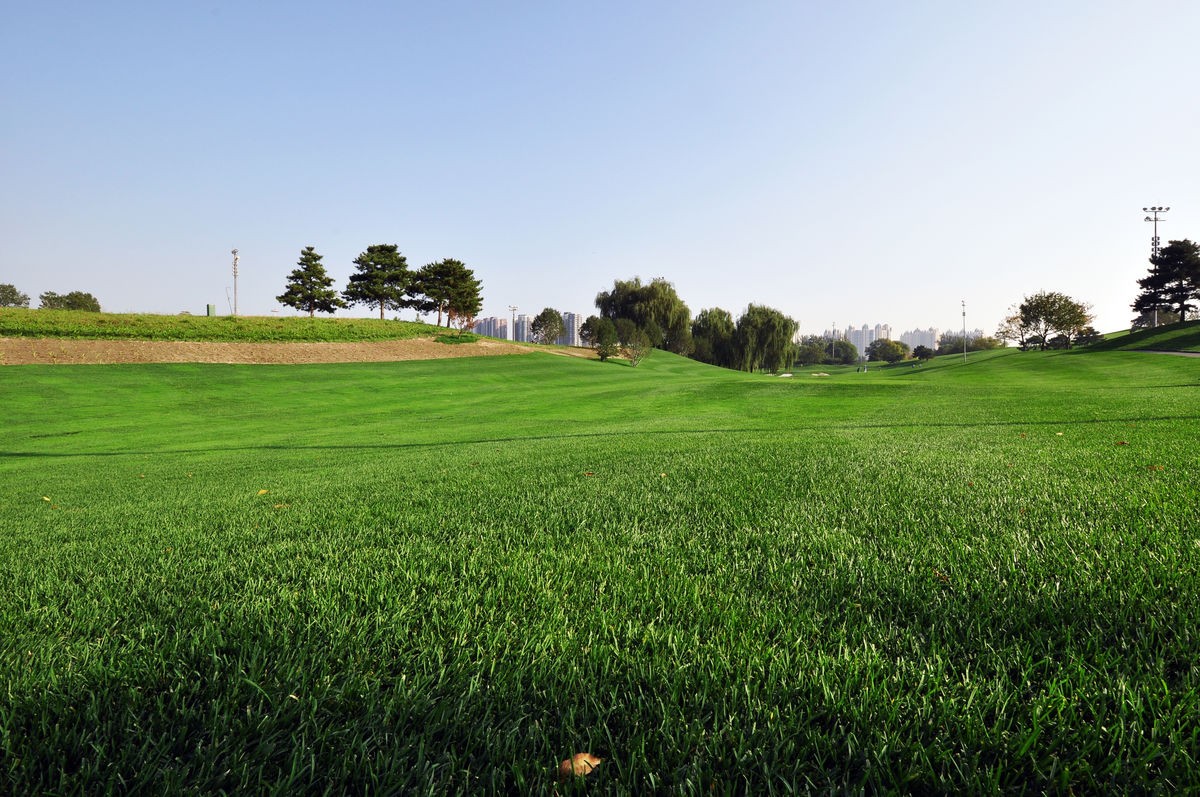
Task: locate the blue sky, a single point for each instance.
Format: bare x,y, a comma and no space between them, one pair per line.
855,162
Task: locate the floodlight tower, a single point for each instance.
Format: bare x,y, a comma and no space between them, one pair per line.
1154,243
235,265
1154,218
512,335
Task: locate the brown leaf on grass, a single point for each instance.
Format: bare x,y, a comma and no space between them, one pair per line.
578,765
1122,442
945,579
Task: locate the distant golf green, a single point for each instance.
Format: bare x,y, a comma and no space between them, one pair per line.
974,575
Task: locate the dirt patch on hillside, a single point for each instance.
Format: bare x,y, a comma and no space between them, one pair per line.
47,351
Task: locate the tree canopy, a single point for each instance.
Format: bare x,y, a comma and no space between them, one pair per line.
764,338
1173,282
888,351
713,338
1041,318
547,326
309,287
654,308
601,335
75,300
11,297
448,287
381,279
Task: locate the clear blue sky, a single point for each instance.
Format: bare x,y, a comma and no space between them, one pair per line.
855,162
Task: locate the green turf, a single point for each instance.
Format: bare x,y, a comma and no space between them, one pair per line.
1169,337
446,577
23,323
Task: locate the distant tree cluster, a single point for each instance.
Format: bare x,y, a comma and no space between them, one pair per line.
1170,289
11,297
817,350
75,300
1048,320
636,317
953,343
383,280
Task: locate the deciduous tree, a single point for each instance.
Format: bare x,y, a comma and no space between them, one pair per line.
601,335
1048,313
713,338
75,300
649,305
547,326
309,287
889,351
11,297
764,338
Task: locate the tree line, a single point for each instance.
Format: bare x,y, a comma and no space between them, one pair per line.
383,280
75,300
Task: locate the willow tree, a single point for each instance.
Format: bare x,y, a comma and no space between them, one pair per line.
764,338
654,307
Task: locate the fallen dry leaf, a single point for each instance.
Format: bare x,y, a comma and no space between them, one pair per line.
578,765
263,492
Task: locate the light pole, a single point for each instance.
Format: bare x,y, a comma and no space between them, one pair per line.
512,308
235,264
1154,218
964,308
1154,243
832,338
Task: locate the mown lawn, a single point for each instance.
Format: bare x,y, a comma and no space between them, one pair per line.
447,577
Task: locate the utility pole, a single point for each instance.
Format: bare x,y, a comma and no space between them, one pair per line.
1154,243
512,308
235,265
964,308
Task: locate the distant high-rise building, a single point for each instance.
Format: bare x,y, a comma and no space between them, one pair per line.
571,324
492,327
524,333
921,337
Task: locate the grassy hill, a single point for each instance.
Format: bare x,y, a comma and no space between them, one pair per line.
1184,336
436,577
23,323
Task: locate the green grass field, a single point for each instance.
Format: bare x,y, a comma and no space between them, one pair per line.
18,322
429,578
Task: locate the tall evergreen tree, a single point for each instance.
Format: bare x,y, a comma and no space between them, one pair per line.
309,287
1173,281
448,287
382,279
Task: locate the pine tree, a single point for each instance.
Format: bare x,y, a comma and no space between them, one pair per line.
309,287
382,279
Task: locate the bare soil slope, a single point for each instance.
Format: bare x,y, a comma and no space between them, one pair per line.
33,351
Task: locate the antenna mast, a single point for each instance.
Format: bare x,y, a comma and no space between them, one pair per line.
235,265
